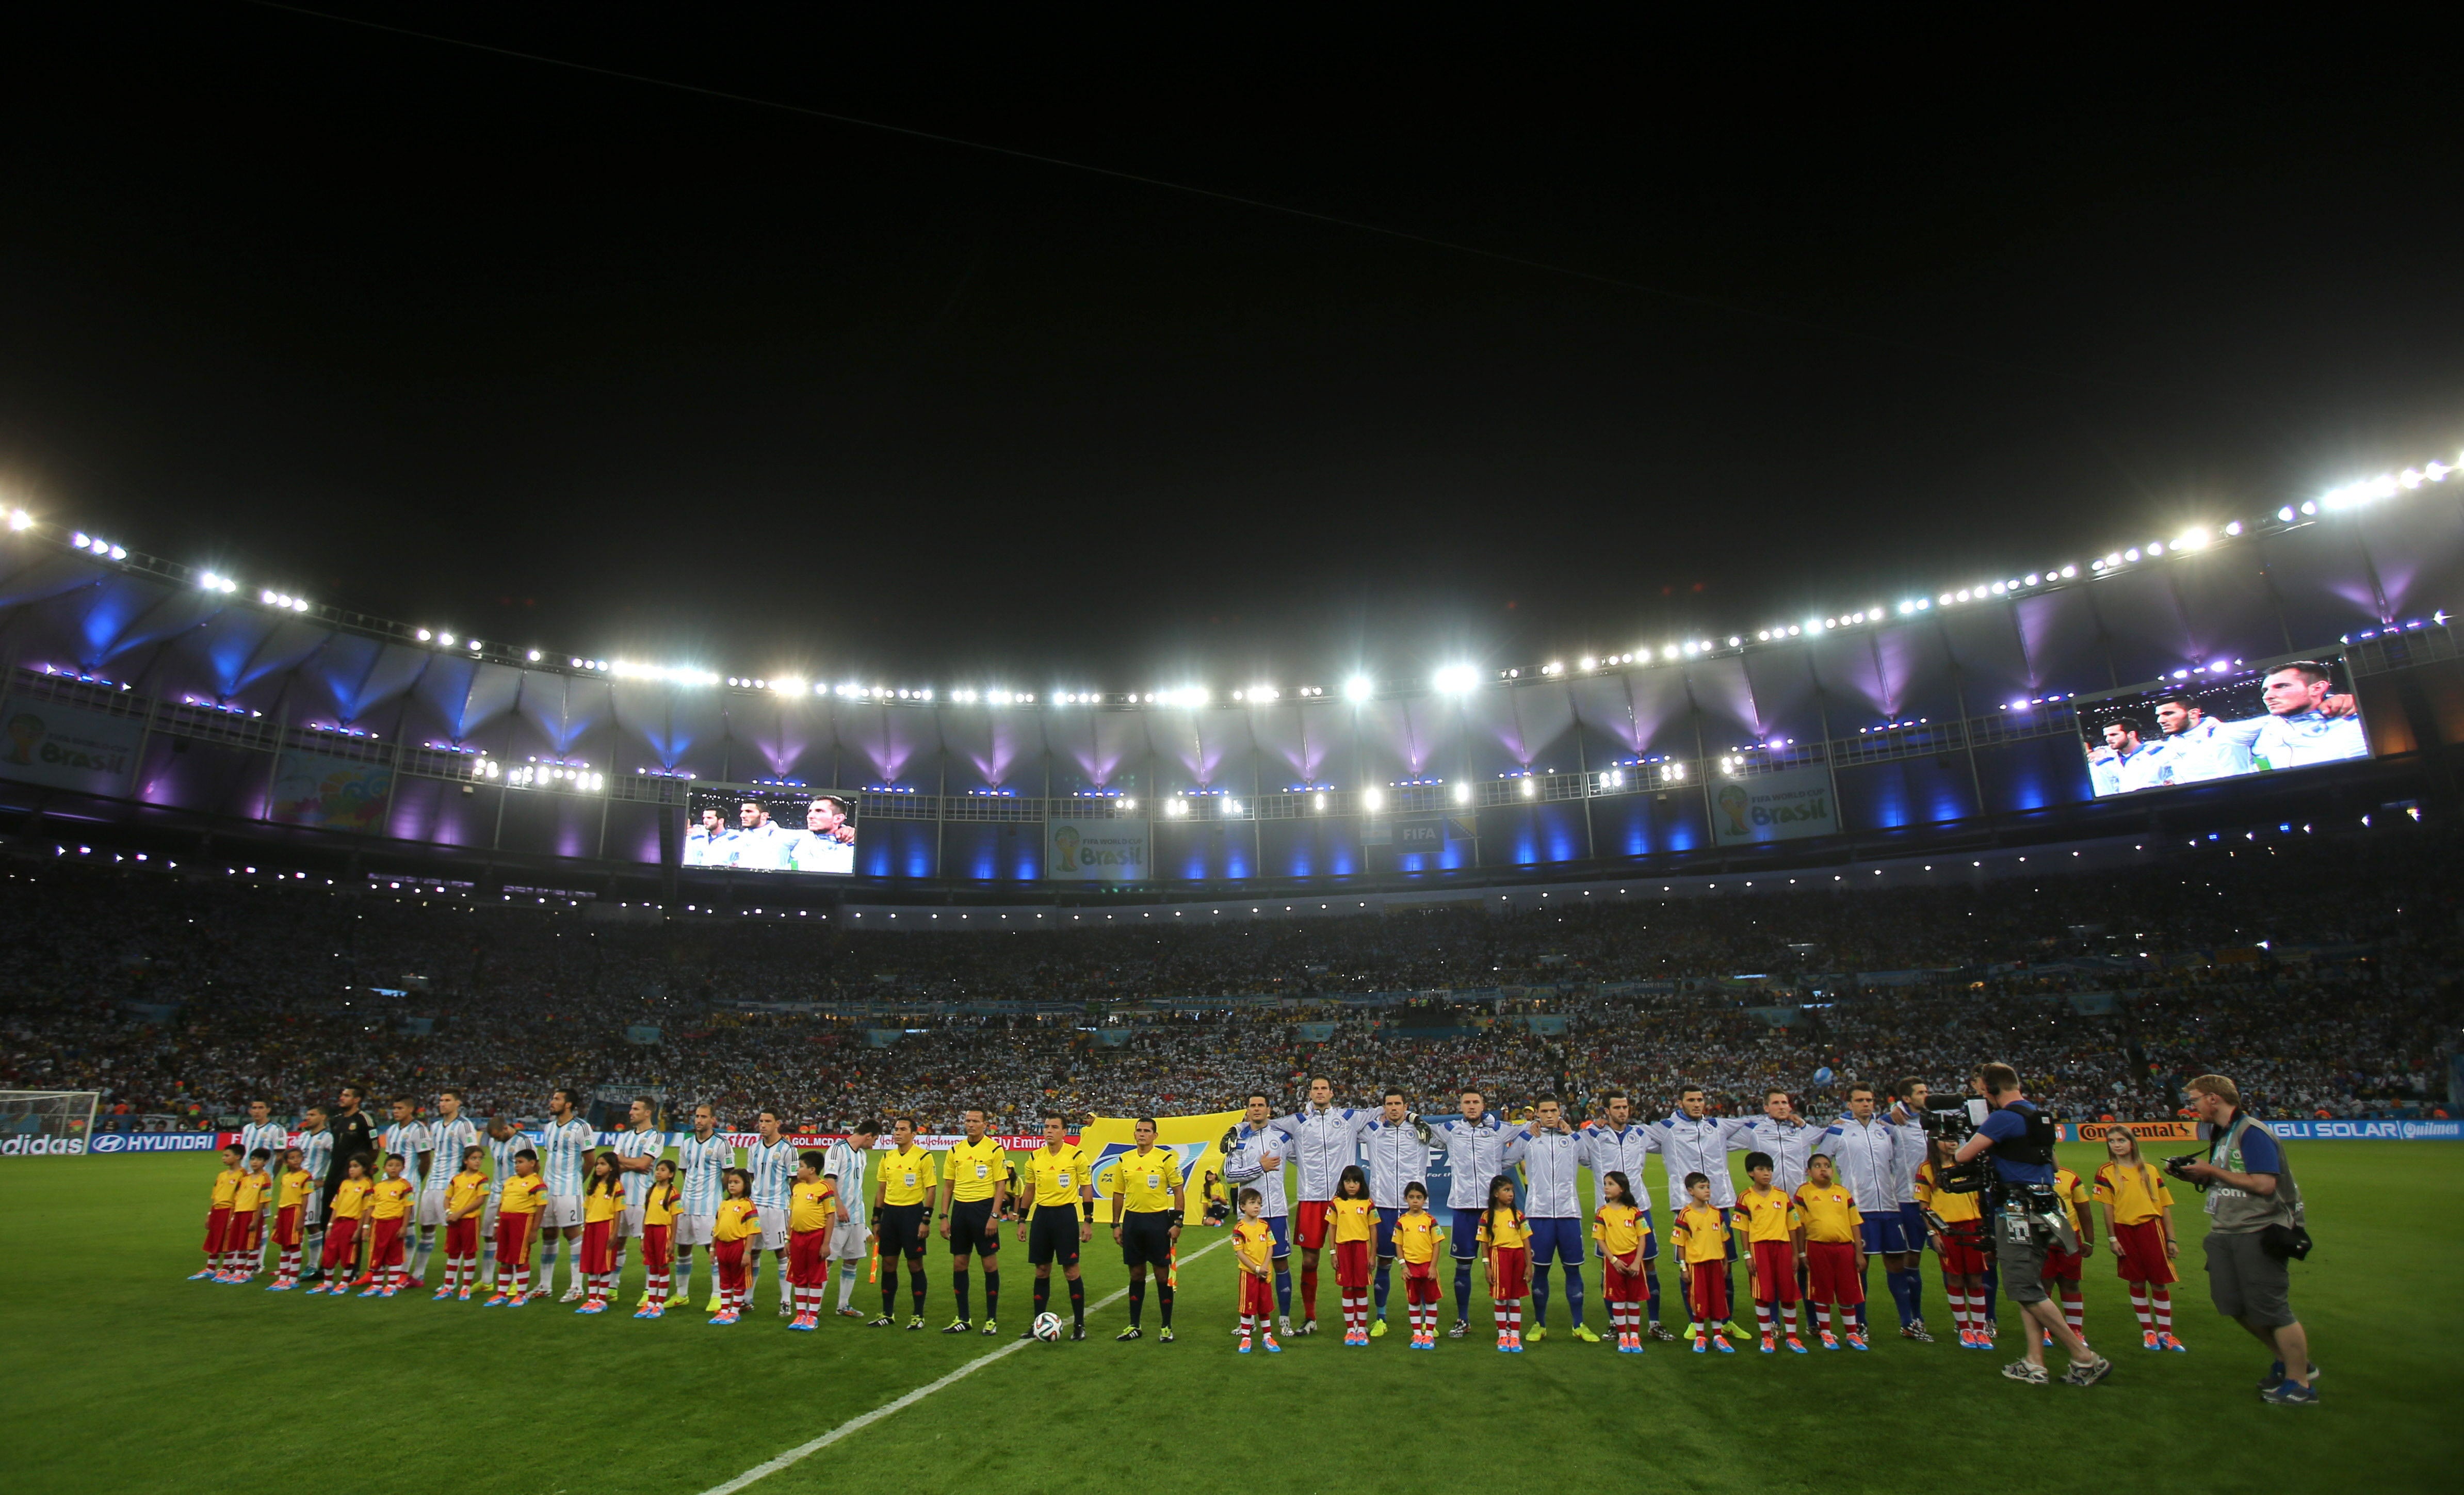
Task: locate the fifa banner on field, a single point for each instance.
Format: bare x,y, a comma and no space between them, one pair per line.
1096,850
333,793
1196,1141
67,747
1787,805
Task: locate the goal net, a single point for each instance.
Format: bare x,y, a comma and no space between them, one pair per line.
46,1123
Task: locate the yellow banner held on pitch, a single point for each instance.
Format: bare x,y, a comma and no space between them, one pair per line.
1195,1142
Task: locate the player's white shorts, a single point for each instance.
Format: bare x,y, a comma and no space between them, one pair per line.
693,1229
311,1210
563,1210
488,1223
431,1207
773,1229
628,1220
849,1241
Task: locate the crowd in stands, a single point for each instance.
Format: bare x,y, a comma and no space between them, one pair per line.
2321,972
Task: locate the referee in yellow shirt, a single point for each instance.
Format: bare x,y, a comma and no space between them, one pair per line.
1058,1189
974,1185
1146,1183
900,1216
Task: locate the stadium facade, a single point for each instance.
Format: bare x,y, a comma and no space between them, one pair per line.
160,704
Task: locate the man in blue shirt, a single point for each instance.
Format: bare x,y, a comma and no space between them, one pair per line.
2021,1143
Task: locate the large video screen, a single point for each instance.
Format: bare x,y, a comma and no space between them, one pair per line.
766,829
2222,724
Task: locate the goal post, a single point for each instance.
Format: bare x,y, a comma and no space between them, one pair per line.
46,1123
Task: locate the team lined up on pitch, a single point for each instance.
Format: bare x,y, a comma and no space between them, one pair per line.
507,1205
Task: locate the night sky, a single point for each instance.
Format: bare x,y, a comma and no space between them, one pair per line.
556,358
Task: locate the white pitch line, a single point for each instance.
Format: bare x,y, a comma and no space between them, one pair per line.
857,1424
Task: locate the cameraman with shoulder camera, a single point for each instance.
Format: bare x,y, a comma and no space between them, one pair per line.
2253,1229
2026,1216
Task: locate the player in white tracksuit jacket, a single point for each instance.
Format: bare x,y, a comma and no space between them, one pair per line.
1254,1153
1326,1140
1788,1139
1551,1155
1475,1148
1396,1146
1620,1146
1907,1107
1691,1142
1864,1149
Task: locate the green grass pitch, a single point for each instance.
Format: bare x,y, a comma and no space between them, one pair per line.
120,1375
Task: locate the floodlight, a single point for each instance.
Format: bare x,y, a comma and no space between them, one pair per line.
1372,800
1462,794
1456,679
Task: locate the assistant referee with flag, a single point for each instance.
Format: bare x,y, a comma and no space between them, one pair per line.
1146,1184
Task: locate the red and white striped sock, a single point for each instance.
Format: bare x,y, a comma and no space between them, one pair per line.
2139,1305
2164,1309
2075,1313
1514,1316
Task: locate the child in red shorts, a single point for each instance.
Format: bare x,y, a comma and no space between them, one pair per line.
1417,1233
1505,1256
1253,1243
294,1188
2139,1228
1356,1244
466,1197
218,1216
390,1203
1701,1234
240,1242
2062,1267
1956,1221
1834,1252
1772,1224
1622,1231
345,1219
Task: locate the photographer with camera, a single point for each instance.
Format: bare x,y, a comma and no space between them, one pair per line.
2253,1229
2027,1217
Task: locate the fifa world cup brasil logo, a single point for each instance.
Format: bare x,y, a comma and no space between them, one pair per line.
1065,843
1734,802
24,730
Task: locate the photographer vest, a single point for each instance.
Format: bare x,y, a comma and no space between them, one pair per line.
2234,1212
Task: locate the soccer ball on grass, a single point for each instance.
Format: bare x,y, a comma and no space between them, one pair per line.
1047,1328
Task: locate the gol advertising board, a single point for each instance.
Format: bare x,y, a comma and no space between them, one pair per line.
1787,805
67,747
1095,850
334,793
